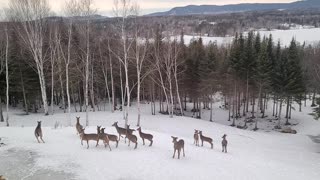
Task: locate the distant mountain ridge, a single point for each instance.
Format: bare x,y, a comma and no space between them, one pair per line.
215,9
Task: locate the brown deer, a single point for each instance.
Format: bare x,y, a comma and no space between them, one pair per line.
224,143
120,130
196,137
178,145
98,132
78,125
2,178
38,132
206,139
104,137
145,136
131,137
111,137
88,137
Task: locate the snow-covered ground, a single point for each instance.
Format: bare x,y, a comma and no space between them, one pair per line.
264,154
307,35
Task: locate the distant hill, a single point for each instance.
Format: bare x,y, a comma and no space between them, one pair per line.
214,9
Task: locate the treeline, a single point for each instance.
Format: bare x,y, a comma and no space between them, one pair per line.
77,64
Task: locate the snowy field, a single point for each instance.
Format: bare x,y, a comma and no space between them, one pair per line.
260,155
307,35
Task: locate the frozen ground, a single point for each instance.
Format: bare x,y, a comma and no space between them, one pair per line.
262,155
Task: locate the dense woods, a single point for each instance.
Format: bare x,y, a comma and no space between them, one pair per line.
81,65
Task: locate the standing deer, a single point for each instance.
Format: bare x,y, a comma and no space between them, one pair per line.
88,137
104,137
120,130
131,137
111,137
38,132
178,145
206,139
98,132
78,125
196,137
145,136
224,143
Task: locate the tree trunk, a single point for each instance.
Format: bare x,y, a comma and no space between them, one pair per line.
24,92
234,104
1,111
7,78
313,99
87,74
112,82
287,111
211,111
92,90
67,74
279,116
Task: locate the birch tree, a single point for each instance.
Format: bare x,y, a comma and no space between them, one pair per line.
31,15
122,10
7,76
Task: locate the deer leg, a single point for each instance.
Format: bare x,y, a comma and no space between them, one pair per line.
42,139
179,153
143,140
87,144
222,148
202,142
151,141
81,142
97,143
211,145
183,152
136,146
129,143
109,146
174,153
38,139
225,149
117,144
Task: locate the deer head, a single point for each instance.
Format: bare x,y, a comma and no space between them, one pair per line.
224,136
174,139
115,124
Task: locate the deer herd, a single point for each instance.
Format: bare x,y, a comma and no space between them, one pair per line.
106,138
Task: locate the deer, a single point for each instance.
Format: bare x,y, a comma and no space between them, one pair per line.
98,132
38,132
120,130
111,137
2,178
78,125
131,137
145,136
196,137
104,137
177,145
224,143
206,139
88,137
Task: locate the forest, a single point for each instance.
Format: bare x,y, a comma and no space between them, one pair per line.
81,65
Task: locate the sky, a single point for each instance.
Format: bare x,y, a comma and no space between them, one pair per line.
148,6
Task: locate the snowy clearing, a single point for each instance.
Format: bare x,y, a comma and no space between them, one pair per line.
251,155
307,35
